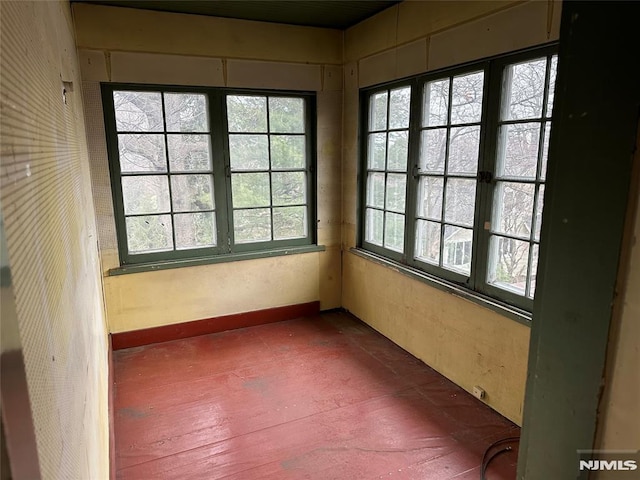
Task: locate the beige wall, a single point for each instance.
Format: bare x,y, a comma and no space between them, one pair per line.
124,45
618,426
51,239
469,344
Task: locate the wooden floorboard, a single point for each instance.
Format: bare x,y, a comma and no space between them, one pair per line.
323,397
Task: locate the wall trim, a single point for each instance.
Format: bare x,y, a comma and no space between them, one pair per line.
137,338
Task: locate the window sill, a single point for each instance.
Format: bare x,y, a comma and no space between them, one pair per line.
230,257
509,311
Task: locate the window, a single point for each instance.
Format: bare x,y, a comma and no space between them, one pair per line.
388,143
455,168
199,172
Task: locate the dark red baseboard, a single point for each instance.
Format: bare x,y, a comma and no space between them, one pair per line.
166,333
112,427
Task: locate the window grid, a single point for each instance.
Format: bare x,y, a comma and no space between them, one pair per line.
530,241
445,176
271,204
393,177
182,177
168,174
489,178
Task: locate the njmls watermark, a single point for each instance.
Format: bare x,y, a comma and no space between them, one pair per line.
624,462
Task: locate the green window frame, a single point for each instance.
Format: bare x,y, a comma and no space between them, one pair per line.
475,162
201,173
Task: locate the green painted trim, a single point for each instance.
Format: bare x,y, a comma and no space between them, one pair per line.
493,95
503,309
231,257
220,171
596,111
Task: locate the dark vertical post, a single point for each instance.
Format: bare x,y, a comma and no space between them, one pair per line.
597,102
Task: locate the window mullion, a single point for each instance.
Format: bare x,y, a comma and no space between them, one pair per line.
445,175
488,163
413,179
269,171
311,201
386,173
166,153
221,165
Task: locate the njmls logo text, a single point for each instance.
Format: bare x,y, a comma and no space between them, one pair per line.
620,465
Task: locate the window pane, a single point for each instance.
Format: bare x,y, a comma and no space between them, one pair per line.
513,208
533,274
287,151
288,188
374,221
377,151
250,190
552,84
375,190
192,192
138,111
430,197
398,147
433,147
246,113
508,261
436,103
249,152
252,225
286,115
456,254
378,111
399,104
428,241
195,230
396,191
466,98
464,144
394,232
538,220
149,234
545,150
186,112
518,150
145,194
460,201
189,152
524,90
289,222
142,153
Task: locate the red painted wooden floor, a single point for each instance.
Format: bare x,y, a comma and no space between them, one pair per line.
322,398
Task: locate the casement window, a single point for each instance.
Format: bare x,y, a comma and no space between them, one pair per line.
203,172
454,166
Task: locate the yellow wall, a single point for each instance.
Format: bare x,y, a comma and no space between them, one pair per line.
469,344
116,29
618,426
164,297
125,45
51,239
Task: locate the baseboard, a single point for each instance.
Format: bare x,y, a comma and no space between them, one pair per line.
111,393
166,333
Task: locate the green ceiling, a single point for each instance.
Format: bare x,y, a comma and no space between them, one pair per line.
318,13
